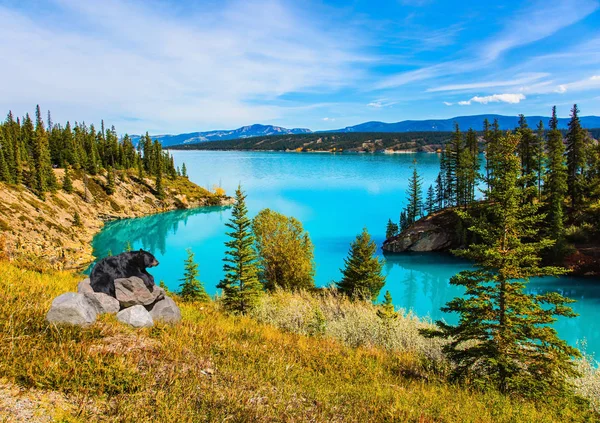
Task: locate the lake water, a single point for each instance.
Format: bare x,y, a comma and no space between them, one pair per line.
334,196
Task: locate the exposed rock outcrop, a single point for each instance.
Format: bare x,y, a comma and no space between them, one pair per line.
46,231
436,232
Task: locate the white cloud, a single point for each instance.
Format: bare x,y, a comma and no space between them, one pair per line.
379,104
328,119
155,70
496,98
525,79
448,104
538,21
590,83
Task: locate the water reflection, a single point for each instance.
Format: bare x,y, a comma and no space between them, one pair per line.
149,232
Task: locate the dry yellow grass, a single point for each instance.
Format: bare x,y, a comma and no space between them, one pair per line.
215,367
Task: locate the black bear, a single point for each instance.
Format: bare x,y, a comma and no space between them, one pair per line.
124,265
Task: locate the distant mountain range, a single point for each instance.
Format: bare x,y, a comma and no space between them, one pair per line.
465,122
431,125
221,135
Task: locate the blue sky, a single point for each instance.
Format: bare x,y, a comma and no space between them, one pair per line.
182,66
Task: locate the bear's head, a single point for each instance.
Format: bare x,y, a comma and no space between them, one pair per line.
146,259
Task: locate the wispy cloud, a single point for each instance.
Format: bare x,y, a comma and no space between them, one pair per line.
496,98
536,22
204,70
378,104
489,84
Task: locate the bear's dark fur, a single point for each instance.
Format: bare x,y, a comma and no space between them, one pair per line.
124,265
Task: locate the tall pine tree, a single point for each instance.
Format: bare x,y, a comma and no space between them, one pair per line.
504,336
241,287
576,160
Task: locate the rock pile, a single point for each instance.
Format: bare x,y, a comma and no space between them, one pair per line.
134,305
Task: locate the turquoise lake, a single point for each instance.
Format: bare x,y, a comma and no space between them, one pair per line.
335,196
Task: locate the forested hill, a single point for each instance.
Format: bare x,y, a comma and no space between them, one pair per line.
370,142
466,122
350,141
431,125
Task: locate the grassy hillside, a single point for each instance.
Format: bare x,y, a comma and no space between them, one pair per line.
47,230
215,367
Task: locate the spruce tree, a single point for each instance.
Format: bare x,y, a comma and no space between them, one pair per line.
403,221
414,209
241,287
430,202
67,184
386,310
361,276
504,336
539,156
452,166
184,171
391,229
439,192
527,154
4,170
191,287
555,187
576,160
110,181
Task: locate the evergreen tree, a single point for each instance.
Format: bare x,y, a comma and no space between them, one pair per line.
241,287
403,221
67,184
110,181
387,310
469,167
430,202
439,192
4,170
184,171
414,209
553,123
555,186
191,287
527,154
452,166
361,276
503,337
576,160
539,156
391,230
160,192
77,220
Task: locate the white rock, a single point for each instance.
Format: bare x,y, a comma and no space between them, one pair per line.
103,303
136,316
165,310
132,291
71,309
85,286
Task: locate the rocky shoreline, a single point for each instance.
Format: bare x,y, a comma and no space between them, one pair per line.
58,231
440,232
